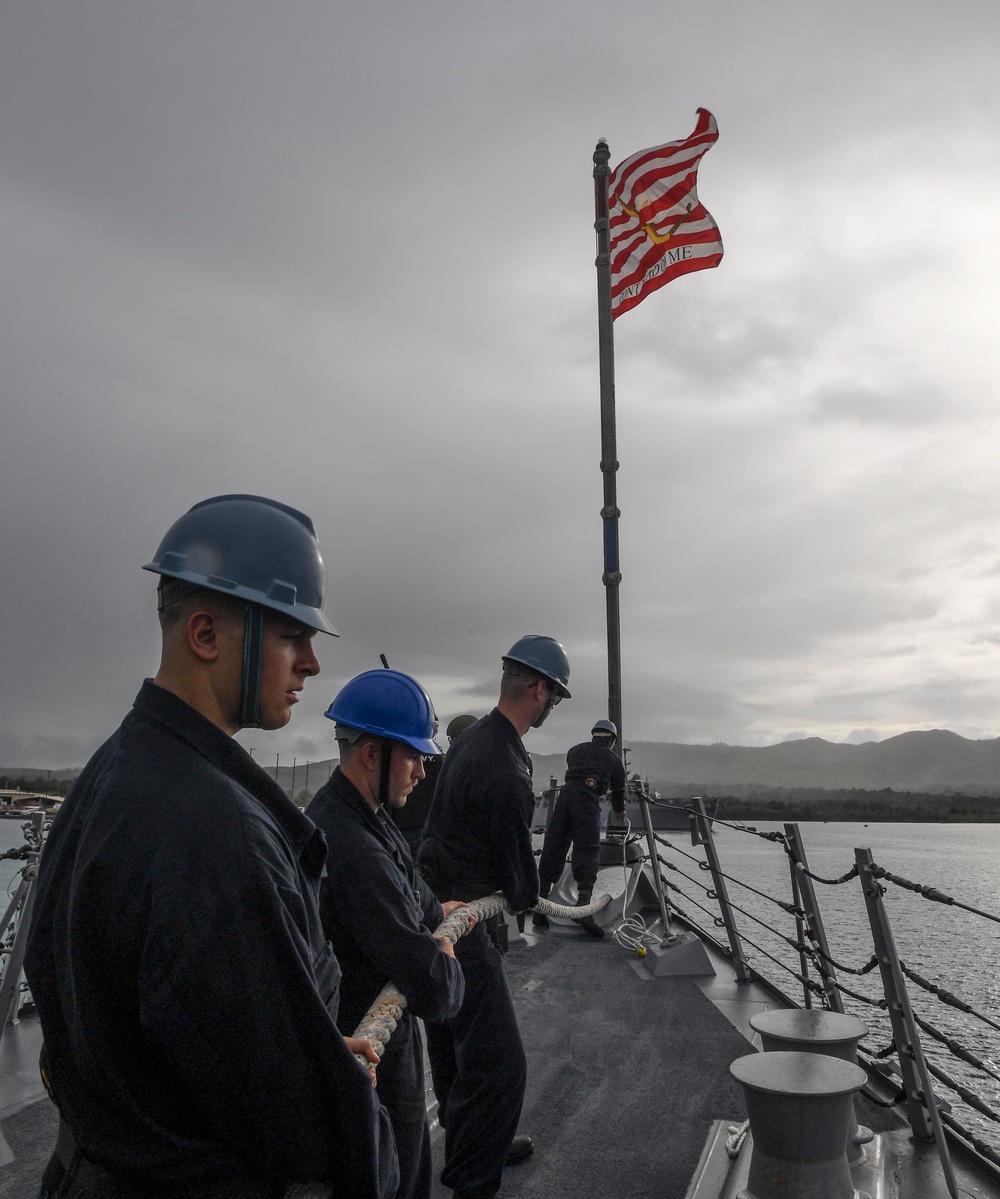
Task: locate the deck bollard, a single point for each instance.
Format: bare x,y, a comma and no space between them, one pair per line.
813,1031
800,1106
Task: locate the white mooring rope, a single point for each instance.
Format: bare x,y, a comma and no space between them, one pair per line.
379,1022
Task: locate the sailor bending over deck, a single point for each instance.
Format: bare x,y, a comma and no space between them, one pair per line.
186,989
593,769
377,911
477,840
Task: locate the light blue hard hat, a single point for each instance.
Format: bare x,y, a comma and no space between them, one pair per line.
545,655
252,548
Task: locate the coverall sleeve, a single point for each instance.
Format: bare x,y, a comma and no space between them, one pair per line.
510,804
374,908
433,913
235,999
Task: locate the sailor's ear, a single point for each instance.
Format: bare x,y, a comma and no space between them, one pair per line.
202,630
371,755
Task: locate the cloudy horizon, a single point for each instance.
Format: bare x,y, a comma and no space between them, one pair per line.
344,257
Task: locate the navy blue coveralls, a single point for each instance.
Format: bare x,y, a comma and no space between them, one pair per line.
379,913
477,840
576,817
187,993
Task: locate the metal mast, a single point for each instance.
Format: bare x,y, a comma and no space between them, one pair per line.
609,440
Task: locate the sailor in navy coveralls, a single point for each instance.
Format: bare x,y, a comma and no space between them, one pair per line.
377,911
477,840
593,769
187,993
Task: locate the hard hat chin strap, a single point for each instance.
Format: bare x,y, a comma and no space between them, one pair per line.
384,769
253,652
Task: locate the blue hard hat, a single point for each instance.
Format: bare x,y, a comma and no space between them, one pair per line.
252,548
389,704
604,728
545,655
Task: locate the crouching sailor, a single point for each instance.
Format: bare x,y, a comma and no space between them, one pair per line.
376,909
186,990
593,768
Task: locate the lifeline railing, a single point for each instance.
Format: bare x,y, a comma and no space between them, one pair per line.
14,925
817,971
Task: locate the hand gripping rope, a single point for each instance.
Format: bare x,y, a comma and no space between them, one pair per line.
380,1021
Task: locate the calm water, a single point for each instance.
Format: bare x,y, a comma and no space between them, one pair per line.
954,949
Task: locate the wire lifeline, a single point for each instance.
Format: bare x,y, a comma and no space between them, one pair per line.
946,997
780,903
827,882
739,827
817,958
956,1048
878,1054
976,1142
18,855
970,1097
791,909
815,949
814,953
929,892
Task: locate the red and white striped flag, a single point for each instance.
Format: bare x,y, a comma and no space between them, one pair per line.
659,229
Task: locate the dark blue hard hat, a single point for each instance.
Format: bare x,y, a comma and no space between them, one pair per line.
604,728
252,548
545,655
388,704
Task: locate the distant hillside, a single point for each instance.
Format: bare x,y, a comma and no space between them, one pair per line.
935,762
932,763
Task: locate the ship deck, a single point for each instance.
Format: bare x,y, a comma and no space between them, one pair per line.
628,1074
628,1080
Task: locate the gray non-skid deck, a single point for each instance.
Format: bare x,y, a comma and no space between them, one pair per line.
627,1075
27,1118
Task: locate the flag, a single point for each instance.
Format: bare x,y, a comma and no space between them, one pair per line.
659,229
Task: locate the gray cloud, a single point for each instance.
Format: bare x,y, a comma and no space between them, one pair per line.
309,252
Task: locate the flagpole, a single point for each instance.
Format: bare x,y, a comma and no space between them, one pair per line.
609,440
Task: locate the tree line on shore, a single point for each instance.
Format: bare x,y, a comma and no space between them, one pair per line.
36,784
848,804
753,803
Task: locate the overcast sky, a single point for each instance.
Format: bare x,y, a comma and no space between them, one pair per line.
343,255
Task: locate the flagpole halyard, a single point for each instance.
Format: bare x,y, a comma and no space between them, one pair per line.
609,442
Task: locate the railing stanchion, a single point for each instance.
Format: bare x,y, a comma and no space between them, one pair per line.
654,863
15,927
921,1104
703,831
810,905
800,933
